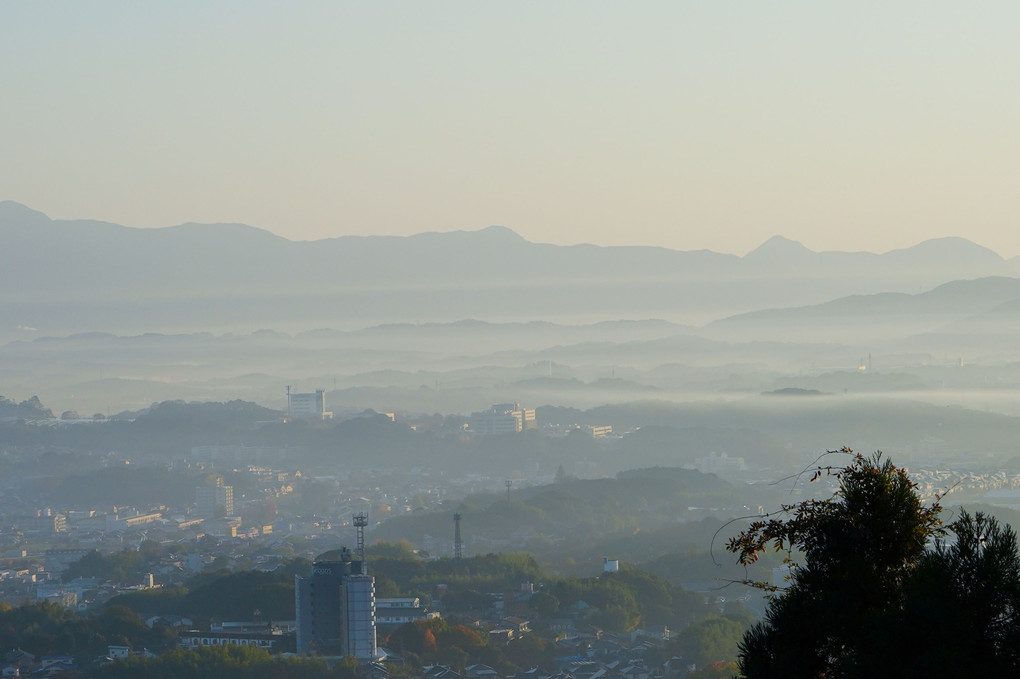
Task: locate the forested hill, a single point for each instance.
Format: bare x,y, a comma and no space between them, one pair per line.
573,511
29,409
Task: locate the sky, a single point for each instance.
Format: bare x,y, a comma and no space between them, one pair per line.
845,126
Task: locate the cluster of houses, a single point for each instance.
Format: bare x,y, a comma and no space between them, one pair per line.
19,663
591,654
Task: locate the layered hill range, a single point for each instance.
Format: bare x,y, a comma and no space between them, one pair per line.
100,317
74,276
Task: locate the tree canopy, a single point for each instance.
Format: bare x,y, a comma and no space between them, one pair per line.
880,591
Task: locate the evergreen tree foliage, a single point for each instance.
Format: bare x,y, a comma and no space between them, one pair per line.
962,611
220,662
872,598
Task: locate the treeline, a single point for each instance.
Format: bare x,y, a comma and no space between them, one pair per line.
401,573
437,641
626,600
447,642
49,629
464,589
46,629
223,595
162,430
619,601
583,510
29,409
168,429
223,662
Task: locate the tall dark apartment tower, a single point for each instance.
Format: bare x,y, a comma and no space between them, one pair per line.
336,607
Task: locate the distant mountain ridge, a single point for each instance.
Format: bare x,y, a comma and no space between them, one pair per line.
988,305
67,276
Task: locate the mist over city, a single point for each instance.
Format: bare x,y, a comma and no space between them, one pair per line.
462,342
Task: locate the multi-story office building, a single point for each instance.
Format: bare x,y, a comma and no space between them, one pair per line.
400,611
308,406
336,608
504,418
212,502
42,522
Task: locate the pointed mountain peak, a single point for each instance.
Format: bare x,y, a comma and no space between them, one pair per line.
777,248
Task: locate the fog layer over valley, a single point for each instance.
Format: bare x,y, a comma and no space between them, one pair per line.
204,407
914,356
174,348
103,318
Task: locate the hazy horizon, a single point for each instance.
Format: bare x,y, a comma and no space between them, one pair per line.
268,266
490,226
867,127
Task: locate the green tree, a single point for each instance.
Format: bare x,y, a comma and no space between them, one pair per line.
712,640
859,548
529,651
871,601
962,611
221,662
544,604
346,668
716,670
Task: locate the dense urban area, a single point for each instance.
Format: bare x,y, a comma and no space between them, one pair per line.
133,540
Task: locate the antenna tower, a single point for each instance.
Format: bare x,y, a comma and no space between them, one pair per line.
360,521
458,544
288,403
508,484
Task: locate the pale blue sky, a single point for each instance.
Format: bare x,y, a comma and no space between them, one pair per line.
863,126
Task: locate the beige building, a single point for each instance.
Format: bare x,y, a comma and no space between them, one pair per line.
308,406
503,418
214,501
